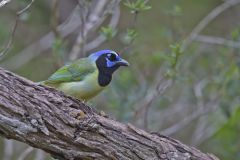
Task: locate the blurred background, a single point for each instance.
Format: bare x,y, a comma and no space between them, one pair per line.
183,80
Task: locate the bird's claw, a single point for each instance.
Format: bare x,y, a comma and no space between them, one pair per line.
78,115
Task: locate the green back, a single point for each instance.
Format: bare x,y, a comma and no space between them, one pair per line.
75,71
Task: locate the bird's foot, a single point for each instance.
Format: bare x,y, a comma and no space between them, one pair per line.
103,114
78,114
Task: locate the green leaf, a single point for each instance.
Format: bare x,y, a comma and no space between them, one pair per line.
108,32
175,11
235,34
130,36
228,137
176,53
137,6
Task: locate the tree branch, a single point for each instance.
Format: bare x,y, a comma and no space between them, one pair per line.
47,119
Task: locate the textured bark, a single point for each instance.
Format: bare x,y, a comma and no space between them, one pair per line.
47,119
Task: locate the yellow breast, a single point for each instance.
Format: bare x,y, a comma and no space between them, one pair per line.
84,89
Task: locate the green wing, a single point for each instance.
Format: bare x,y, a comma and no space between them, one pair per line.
75,71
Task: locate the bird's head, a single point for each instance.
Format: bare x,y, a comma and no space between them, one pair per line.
107,61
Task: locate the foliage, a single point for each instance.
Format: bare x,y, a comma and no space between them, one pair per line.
108,32
227,137
173,60
130,36
137,6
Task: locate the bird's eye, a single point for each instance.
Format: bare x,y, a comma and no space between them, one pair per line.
112,57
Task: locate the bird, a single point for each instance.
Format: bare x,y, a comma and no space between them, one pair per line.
86,77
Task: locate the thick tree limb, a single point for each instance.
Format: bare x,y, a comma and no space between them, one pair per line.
47,119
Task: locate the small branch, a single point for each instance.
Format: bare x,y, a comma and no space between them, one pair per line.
101,39
40,155
217,41
47,119
94,18
158,87
8,149
161,87
44,43
71,24
211,106
206,20
98,14
10,41
24,154
25,9
79,46
4,2
132,25
55,18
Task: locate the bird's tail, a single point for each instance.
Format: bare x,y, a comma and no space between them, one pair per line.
40,83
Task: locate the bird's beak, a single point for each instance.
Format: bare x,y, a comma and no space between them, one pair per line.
123,62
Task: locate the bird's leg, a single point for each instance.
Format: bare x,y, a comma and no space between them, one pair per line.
103,114
78,114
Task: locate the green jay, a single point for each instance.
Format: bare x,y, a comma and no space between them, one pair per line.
86,77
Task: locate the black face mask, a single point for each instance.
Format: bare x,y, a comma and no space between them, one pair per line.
105,72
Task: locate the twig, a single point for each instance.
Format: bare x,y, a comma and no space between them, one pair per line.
8,149
79,46
25,9
158,87
211,106
72,23
217,41
65,29
57,36
202,121
200,130
10,41
205,133
132,26
100,39
206,20
202,109
40,155
25,153
55,18
4,2
94,19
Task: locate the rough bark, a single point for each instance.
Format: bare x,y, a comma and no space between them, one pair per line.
47,119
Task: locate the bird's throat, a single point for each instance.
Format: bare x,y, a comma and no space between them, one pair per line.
105,73
104,79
